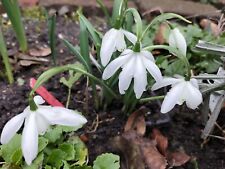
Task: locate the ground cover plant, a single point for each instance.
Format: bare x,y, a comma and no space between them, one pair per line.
119,68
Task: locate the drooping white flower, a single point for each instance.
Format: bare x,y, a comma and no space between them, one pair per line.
134,65
177,40
112,41
37,122
181,91
215,96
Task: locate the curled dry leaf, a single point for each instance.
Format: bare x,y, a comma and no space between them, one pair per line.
161,141
176,159
152,157
136,122
40,51
210,25
127,144
28,62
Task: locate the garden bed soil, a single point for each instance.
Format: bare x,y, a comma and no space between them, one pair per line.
183,131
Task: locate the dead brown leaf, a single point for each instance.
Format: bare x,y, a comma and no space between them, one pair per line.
153,158
136,122
40,51
160,34
208,24
128,145
28,62
176,159
161,141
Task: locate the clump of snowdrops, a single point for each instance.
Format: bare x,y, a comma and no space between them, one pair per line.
123,66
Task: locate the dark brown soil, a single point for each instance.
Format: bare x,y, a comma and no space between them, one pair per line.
183,131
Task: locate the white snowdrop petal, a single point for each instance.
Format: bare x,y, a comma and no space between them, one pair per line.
108,46
166,82
194,82
172,98
42,124
68,117
177,40
140,78
193,96
130,36
30,139
152,68
120,42
126,75
115,65
38,100
11,127
62,116
148,55
213,100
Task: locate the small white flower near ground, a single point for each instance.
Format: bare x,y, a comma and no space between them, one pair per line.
37,122
181,91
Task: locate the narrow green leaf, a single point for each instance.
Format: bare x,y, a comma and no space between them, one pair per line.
138,21
13,12
76,52
5,58
105,10
95,35
51,72
117,11
84,46
52,36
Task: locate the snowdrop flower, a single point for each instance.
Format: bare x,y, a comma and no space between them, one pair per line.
181,91
37,122
114,40
215,96
134,65
177,40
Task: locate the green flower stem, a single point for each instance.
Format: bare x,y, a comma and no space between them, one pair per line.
148,99
68,97
33,106
138,21
161,18
176,53
5,58
51,72
137,47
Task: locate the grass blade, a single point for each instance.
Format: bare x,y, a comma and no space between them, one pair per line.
52,36
5,58
13,12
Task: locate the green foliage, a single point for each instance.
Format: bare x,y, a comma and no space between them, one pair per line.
55,152
13,12
107,161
